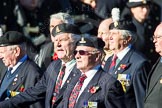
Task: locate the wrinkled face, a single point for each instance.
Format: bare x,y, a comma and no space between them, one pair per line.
85,58
157,39
92,3
53,23
8,56
140,13
116,41
30,4
64,46
103,33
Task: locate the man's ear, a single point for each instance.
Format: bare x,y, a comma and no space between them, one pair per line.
17,51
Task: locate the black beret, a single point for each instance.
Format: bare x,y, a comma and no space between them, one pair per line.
135,3
91,41
65,28
123,25
12,38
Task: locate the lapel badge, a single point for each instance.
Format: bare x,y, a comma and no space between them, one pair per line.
67,81
14,83
82,40
161,80
15,79
16,75
57,29
74,75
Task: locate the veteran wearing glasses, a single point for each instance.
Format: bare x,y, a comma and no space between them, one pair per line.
154,82
95,88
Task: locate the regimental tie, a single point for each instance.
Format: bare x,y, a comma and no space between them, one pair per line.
76,90
58,83
113,64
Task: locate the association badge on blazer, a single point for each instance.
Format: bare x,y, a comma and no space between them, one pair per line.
15,80
90,104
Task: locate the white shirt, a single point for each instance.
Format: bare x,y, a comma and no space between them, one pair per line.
68,69
90,74
18,64
121,54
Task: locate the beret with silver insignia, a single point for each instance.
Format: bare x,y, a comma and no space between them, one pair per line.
65,28
91,41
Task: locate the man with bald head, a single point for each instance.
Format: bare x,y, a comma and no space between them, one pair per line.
103,33
154,81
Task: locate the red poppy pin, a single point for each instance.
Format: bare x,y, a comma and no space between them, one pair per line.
22,88
94,89
55,57
123,66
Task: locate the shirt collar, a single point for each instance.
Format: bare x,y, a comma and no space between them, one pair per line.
121,54
23,59
93,71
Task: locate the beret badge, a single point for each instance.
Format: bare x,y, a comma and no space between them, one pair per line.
82,40
144,1
57,29
116,23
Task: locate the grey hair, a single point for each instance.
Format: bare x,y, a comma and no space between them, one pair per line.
64,17
127,33
75,38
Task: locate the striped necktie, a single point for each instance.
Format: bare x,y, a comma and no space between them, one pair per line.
113,64
75,91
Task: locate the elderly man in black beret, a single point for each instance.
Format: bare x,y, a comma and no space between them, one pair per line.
94,88
130,67
58,74
20,72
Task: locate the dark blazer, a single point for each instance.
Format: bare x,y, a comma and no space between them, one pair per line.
109,94
43,89
154,87
28,73
132,71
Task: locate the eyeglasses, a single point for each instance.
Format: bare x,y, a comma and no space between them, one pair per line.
82,52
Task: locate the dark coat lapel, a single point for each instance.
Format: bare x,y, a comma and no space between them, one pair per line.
20,73
3,73
53,73
151,85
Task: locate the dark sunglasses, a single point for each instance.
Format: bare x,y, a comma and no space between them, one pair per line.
82,52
